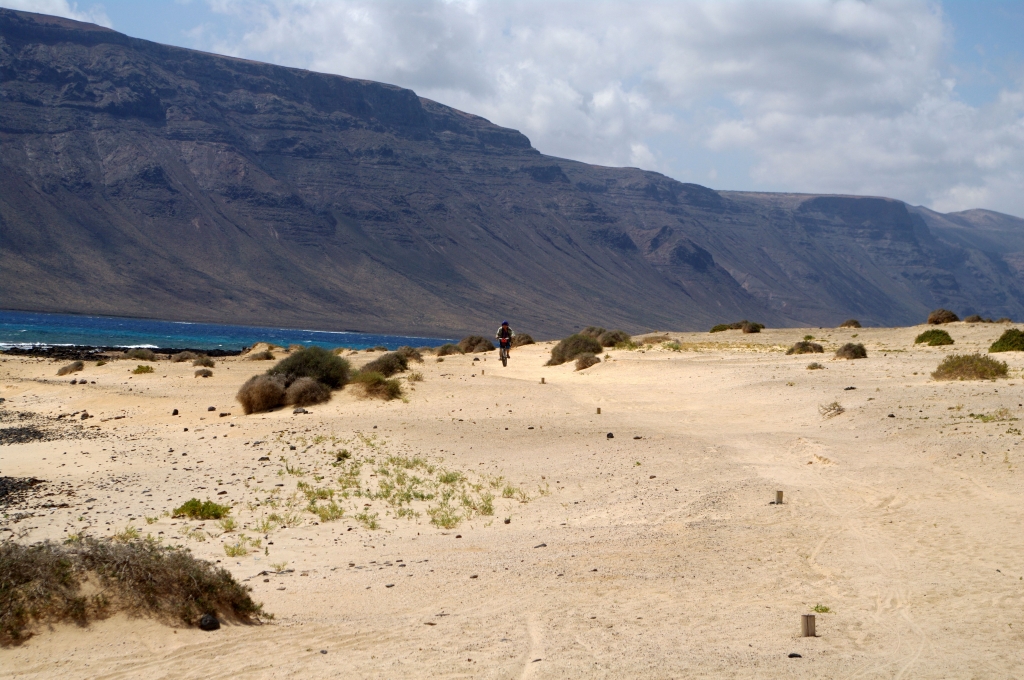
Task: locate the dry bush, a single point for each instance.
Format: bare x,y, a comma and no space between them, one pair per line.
850,323
805,347
1004,319
586,360
140,354
265,355
261,393
306,392
314,362
814,366
970,367
387,365
831,410
184,356
204,373
940,316
934,337
613,338
738,325
654,339
975,318
73,367
522,339
142,369
448,348
378,348
42,584
1012,340
573,346
204,361
376,386
852,351
410,354
593,331
475,343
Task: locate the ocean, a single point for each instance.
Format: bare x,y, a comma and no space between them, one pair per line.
32,329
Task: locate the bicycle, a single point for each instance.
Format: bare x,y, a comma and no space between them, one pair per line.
503,348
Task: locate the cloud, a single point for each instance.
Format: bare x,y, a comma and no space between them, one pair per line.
843,96
60,8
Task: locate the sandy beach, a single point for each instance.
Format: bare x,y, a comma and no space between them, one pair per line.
641,541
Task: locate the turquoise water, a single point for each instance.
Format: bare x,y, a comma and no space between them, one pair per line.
26,329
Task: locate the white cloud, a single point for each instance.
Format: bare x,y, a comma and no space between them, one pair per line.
60,8
843,96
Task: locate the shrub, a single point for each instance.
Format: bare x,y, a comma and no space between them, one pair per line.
314,362
814,366
378,348
850,323
1004,319
573,346
140,354
306,392
387,365
852,351
265,355
295,348
653,339
73,367
934,338
410,354
1012,340
970,367
586,360
940,316
141,368
204,373
193,508
448,348
261,393
184,356
475,343
522,339
805,347
376,386
414,376
612,338
42,583
738,325
974,318
204,361
593,331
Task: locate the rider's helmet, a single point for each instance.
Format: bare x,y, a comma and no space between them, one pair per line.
504,323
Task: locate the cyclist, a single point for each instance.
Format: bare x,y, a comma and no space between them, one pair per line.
504,336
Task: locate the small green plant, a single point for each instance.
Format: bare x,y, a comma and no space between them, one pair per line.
279,566
196,509
228,524
509,491
414,376
240,548
370,521
152,520
264,525
444,516
821,609
101,362
329,512
129,533
141,368
999,416
449,477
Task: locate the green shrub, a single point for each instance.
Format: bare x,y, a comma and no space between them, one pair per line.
261,393
745,326
940,316
448,348
1012,340
934,338
204,361
613,338
193,508
387,365
975,318
306,392
141,368
184,356
376,386
316,363
852,351
265,355
573,346
970,367
805,347
409,354
73,367
751,327
586,360
475,343
522,339
204,373
593,331
140,354
814,366
42,584
850,323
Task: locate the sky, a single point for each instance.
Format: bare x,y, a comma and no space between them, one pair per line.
916,100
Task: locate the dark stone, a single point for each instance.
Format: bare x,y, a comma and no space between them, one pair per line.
794,655
508,520
74,382
611,436
209,622
85,416
892,415
211,408
390,585
174,412
300,411
542,545
263,458
847,389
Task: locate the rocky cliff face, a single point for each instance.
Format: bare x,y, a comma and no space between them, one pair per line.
144,180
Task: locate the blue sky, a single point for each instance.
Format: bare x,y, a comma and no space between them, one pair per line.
922,101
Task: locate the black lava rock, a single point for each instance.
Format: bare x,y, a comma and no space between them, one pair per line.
611,436
209,622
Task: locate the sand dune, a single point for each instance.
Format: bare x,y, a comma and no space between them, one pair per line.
655,553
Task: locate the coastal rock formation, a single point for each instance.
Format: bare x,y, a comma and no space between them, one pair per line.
139,179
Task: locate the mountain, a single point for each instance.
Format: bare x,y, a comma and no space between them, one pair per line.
139,179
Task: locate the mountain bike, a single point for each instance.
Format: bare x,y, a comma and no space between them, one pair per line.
503,346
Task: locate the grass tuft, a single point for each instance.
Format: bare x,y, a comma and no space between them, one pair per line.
814,366
142,368
196,509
